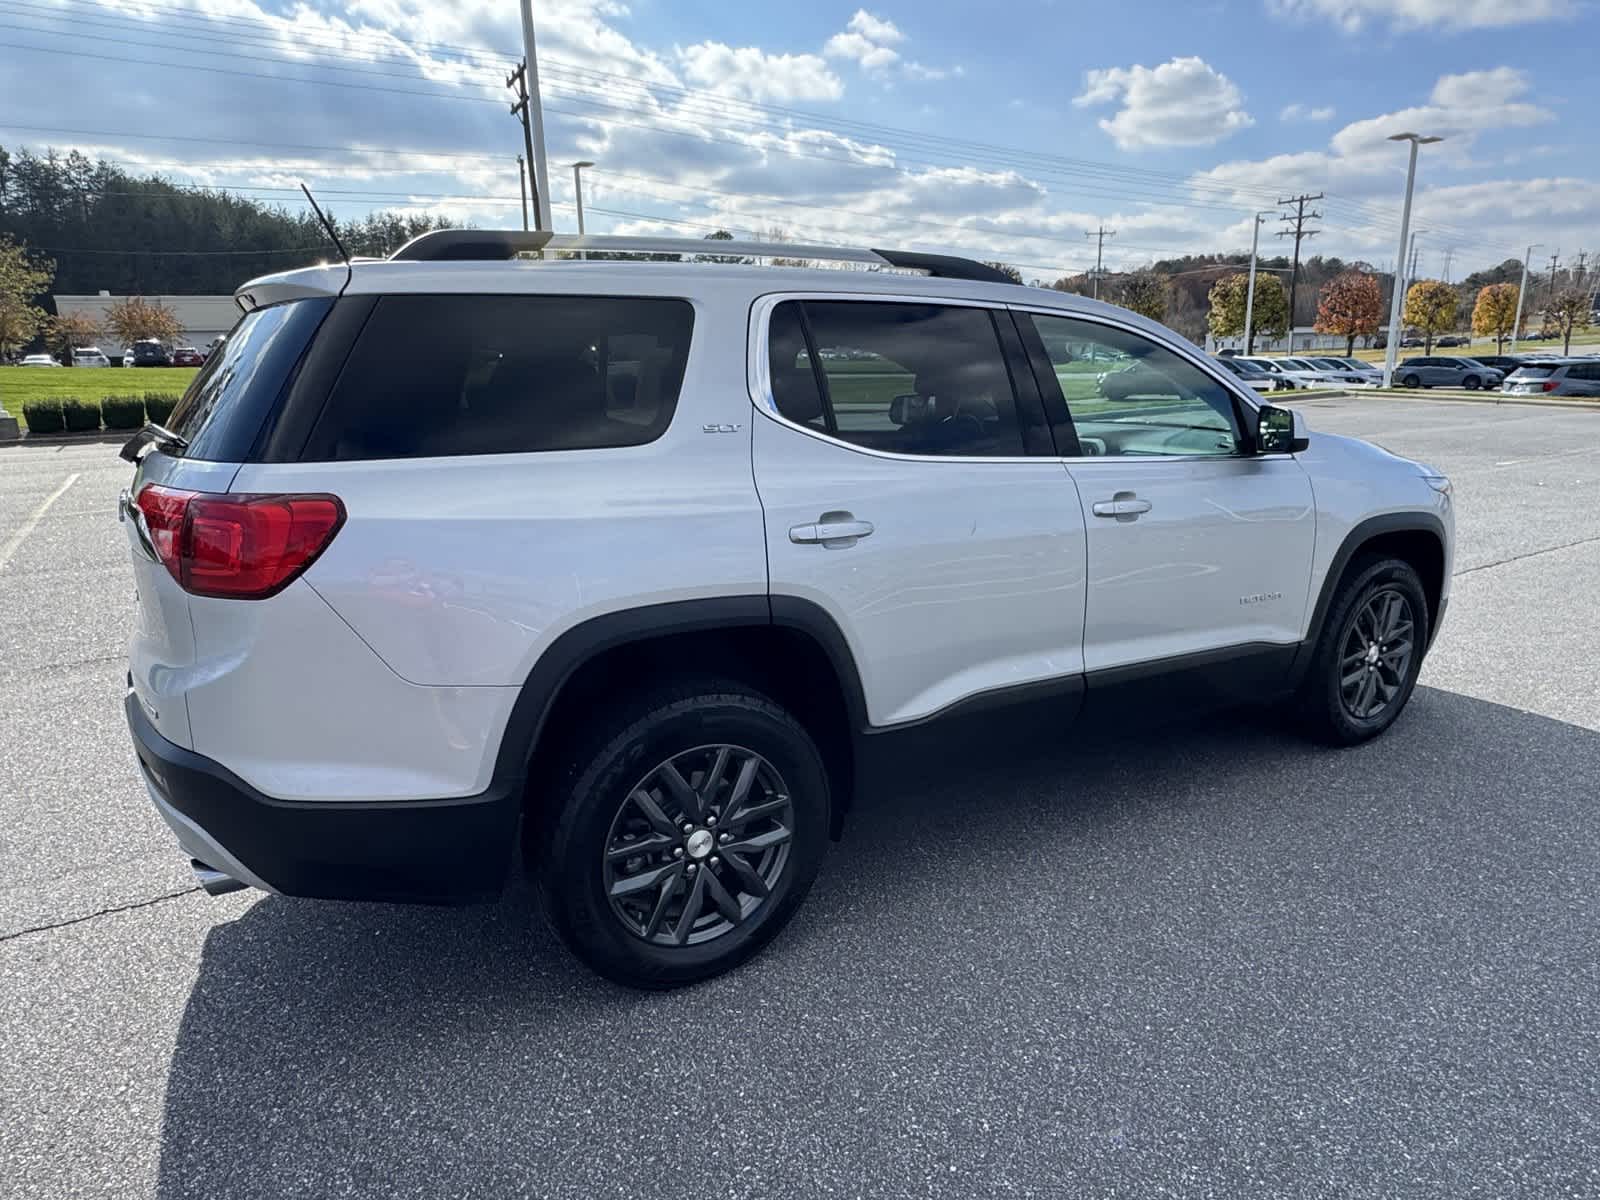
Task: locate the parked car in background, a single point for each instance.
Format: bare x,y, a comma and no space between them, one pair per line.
1445,371
1370,373
1294,374
1568,377
187,356
1338,369
89,356
146,353
1504,363
1454,339
38,360
1410,341
1251,375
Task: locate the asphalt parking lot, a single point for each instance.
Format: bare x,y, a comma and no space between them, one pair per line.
1212,962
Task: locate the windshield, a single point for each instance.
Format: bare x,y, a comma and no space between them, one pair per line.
1533,372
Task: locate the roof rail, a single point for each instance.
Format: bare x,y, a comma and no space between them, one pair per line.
479,245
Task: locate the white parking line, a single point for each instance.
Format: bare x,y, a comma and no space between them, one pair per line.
16,539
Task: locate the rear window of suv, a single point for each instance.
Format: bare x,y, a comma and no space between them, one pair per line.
435,376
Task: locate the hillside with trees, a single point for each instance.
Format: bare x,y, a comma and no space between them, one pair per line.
108,230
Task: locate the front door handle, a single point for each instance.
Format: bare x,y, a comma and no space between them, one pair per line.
1124,506
832,529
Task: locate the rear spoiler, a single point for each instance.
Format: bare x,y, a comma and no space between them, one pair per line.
152,436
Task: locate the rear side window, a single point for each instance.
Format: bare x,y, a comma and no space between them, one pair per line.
227,402
436,376
926,379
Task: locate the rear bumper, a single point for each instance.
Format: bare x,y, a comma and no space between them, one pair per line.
419,851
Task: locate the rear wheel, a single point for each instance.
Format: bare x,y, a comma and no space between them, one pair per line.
690,832
1410,381
1369,654
1471,383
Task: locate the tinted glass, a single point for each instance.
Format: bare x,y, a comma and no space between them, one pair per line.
915,378
450,375
794,383
1130,396
227,402
1533,372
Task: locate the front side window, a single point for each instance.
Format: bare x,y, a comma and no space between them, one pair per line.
439,375
1130,396
925,379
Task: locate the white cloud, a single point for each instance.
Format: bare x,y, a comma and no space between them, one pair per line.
751,73
1184,102
1450,15
1301,112
866,52
875,29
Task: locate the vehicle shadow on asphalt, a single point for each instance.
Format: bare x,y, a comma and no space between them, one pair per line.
1054,946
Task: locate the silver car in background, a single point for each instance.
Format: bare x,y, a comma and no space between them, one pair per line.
1438,370
1294,372
1361,374
1568,377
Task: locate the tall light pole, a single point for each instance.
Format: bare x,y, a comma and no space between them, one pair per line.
1392,346
541,178
577,187
1250,292
1522,290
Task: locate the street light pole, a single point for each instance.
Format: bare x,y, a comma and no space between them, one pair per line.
1522,290
1392,346
577,187
541,179
1250,291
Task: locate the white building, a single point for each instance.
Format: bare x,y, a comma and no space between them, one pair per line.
203,318
1305,341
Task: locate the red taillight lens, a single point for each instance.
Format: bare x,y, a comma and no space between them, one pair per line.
237,547
1549,385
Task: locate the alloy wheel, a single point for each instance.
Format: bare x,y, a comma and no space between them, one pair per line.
698,845
1375,658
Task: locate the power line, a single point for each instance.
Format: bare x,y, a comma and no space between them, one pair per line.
1299,232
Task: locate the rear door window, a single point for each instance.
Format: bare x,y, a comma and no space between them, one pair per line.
434,376
927,379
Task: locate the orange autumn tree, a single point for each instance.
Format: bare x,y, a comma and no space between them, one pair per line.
1350,306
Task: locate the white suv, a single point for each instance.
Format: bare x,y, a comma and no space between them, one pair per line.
652,561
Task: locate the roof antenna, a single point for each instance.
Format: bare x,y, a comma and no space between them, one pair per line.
326,224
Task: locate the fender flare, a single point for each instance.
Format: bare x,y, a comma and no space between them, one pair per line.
580,644
1360,534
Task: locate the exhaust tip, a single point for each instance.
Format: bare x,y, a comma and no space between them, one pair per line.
214,881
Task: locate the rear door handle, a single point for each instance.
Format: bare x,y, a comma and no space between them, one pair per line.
1125,506
835,529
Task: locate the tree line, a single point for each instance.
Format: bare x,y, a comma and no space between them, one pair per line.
107,230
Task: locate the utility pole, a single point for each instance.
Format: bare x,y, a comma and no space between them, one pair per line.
1250,291
1516,324
518,81
535,109
1100,235
1449,253
1577,274
1555,260
1299,232
522,182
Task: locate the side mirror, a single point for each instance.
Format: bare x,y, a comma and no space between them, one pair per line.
1281,431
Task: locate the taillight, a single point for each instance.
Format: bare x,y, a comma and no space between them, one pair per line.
237,547
1549,385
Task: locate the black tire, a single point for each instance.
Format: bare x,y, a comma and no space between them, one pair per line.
570,851
1325,711
1410,381
1471,383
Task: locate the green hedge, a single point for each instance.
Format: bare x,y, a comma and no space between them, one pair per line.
82,416
123,412
158,406
43,414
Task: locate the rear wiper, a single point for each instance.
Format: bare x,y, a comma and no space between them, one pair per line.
154,436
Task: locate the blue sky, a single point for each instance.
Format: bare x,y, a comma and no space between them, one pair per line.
1002,131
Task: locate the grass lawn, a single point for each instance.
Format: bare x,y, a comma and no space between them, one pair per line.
90,383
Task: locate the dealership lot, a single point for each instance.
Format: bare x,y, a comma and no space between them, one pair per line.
1211,961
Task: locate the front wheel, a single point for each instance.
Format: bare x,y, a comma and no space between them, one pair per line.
1368,656
689,833
1471,383
1410,381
